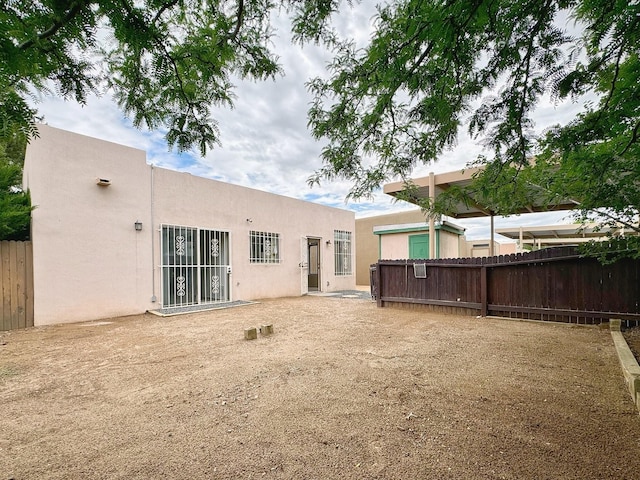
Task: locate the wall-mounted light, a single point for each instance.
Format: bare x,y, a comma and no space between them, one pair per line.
138,226
328,242
249,220
103,182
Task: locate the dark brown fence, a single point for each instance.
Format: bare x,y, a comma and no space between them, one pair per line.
551,284
16,285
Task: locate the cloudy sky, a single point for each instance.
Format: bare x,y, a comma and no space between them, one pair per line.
265,141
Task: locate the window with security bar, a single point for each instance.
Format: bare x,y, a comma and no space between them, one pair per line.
264,247
342,252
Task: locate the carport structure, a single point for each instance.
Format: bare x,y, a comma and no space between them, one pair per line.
435,184
556,235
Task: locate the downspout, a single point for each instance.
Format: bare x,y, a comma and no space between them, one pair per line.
153,246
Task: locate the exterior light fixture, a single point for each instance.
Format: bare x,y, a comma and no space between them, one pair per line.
328,242
138,226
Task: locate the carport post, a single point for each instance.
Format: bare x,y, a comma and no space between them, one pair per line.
432,222
491,249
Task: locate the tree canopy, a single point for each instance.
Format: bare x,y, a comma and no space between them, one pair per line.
433,68
167,63
15,205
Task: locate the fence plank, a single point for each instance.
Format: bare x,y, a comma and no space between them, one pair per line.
5,290
29,285
13,267
21,287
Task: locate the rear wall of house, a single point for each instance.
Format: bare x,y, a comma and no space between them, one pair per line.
91,263
187,200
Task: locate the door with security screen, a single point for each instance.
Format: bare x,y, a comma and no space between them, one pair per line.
215,267
195,266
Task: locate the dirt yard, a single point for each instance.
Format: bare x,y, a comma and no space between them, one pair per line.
340,390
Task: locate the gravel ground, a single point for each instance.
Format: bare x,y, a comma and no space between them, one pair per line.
342,389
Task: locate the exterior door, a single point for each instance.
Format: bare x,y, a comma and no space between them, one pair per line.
313,256
215,267
304,266
418,246
195,266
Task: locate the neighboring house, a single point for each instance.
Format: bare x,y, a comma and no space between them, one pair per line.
402,235
405,234
411,240
113,235
368,244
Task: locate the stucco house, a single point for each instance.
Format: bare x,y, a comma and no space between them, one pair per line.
113,235
402,235
368,244
411,240
405,234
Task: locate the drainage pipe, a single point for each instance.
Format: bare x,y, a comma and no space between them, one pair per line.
153,245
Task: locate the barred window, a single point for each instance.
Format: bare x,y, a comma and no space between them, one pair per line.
342,252
264,247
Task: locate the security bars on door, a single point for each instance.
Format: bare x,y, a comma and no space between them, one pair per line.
195,266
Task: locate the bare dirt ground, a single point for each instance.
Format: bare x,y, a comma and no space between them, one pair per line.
342,389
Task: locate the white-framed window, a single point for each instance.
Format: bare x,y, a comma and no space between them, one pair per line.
264,247
342,252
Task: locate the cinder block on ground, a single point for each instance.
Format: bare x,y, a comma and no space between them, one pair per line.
250,333
266,329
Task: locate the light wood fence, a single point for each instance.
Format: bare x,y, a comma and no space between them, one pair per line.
16,285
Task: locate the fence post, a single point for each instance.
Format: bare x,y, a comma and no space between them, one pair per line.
483,291
379,284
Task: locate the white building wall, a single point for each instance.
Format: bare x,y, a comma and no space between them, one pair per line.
91,263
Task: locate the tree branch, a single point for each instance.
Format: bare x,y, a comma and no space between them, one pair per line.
164,8
51,31
239,20
634,138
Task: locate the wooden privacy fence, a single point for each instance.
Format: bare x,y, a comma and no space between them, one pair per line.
551,284
16,285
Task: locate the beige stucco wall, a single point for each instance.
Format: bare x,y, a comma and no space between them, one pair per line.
91,263
222,206
449,244
480,248
394,246
367,243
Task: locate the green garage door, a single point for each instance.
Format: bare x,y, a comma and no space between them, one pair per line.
418,246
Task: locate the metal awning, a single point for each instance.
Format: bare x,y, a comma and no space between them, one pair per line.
441,182
556,235
433,185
